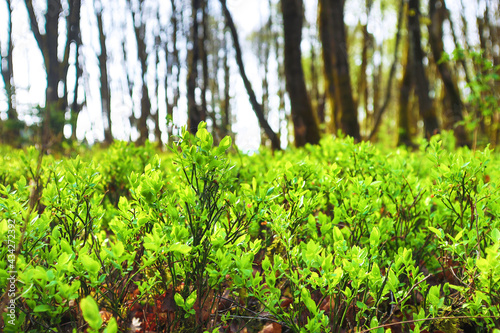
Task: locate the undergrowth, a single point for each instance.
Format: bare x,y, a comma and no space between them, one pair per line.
329,238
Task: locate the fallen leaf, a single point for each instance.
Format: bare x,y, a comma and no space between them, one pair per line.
271,328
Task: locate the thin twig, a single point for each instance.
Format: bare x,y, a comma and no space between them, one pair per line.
425,319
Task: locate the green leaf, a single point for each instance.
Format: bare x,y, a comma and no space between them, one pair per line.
495,235
42,308
178,247
118,249
112,326
191,299
459,235
308,301
179,300
225,143
374,237
438,232
90,312
90,264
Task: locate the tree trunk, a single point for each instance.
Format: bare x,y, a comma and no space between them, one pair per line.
103,71
304,121
226,102
404,136
325,33
196,114
425,103
275,141
363,93
12,125
172,81
380,112
55,107
140,32
438,13
343,92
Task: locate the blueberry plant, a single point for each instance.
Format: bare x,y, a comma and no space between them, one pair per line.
327,238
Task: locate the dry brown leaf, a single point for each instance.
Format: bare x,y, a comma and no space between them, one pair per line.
271,328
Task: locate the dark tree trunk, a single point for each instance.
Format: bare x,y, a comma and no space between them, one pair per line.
343,92
76,107
226,101
74,36
362,81
55,107
103,70
304,121
12,125
404,135
196,114
54,111
140,31
203,41
425,103
172,81
275,141
325,32
453,114
316,96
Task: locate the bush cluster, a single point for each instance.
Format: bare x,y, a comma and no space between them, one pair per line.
329,238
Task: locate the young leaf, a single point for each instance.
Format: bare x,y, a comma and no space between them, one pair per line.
90,312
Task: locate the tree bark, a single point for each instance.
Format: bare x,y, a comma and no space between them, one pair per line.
325,33
304,120
275,141
226,102
140,31
425,103
196,114
404,136
172,81
55,107
438,13
343,92
12,125
103,71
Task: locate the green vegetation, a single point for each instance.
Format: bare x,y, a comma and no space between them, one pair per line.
322,239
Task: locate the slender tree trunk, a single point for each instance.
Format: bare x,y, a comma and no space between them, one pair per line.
304,121
387,99
438,13
204,40
425,103
342,79
156,116
76,107
55,107
196,114
275,141
404,135
12,125
140,32
264,51
103,71
73,37
362,80
325,33
316,96
226,100
172,81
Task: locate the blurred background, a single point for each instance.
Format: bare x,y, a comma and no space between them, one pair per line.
266,72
